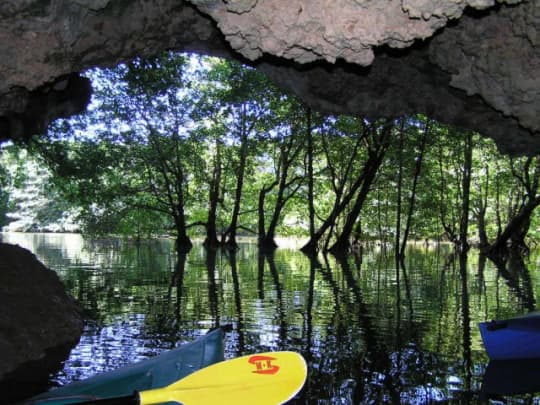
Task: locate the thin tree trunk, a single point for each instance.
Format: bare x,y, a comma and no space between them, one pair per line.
466,187
398,198
449,228
481,210
183,243
311,197
261,211
341,202
412,200
230,233
288,154
498,200
518,225
212,241
371,167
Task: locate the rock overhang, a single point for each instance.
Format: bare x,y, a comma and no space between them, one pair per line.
477,70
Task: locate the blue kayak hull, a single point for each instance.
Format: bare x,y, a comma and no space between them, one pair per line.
517,338
510,377
156,372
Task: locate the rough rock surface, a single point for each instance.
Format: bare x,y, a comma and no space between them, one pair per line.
36,314
42,42
403,84
473,63
497,56
308,30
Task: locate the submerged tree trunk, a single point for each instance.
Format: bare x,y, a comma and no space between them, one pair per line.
515,231
342,198
448,224
466,188
376,153
480,210
512,236
311,197
398,203
287,187
412,200
211,241
262,240
183,243
230,233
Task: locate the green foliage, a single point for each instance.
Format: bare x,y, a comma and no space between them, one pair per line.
4,195
167,138
28,199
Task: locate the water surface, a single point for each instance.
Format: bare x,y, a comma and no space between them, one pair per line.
370,333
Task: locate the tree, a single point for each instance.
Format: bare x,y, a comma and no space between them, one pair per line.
377,143
286,151
193,144
27,200
139,151
418,161
523,200
241,97
347,186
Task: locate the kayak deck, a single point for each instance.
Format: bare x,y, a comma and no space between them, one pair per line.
156,372
516,338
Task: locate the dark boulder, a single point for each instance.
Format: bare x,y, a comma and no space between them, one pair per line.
37,317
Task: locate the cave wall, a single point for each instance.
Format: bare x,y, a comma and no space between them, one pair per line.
471,63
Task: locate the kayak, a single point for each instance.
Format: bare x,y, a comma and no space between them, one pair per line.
516,338
156,372
510,377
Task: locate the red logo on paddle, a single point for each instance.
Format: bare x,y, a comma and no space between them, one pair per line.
263,364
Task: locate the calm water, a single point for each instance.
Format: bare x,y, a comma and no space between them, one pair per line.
370,334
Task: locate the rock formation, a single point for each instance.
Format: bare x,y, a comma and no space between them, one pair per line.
37,315
472,63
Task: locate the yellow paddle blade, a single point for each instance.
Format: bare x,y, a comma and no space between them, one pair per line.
260,379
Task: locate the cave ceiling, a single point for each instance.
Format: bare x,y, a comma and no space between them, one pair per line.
470,63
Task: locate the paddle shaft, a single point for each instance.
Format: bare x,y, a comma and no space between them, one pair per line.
132,399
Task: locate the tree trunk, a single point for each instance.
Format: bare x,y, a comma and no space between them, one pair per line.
230,233
412,200
311,198
262,240
515,231
313,243
269,236
342,243
340,203
211,241
482,233
376,155
448,226
481,210
289,151
466,188
183,243
398,202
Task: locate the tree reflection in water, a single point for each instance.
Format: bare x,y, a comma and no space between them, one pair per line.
373,330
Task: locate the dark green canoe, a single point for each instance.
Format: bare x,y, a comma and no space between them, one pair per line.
155,372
